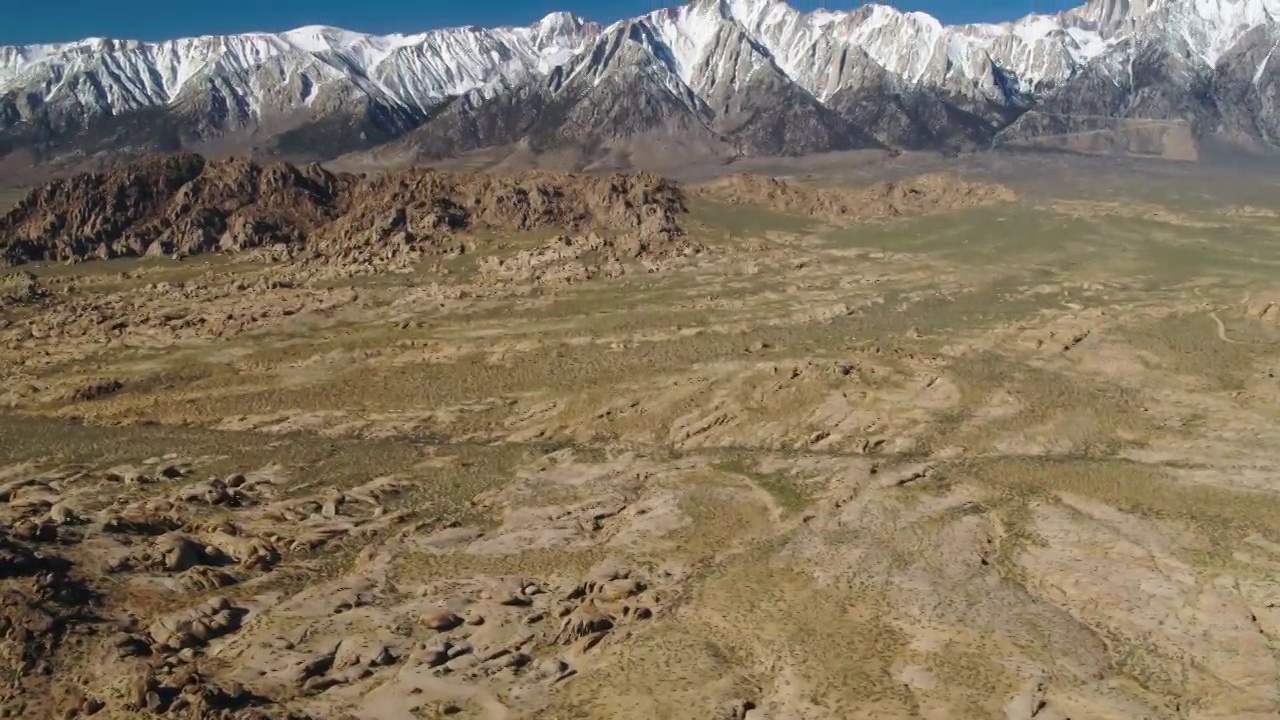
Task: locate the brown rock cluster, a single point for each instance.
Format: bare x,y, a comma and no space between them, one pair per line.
184,204
1264,306
194,626
20,287
920,195
179,204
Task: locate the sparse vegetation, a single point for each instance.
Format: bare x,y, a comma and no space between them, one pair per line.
790,495
897,469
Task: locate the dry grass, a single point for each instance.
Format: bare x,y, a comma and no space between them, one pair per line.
838,641
736,222
791,495
1220,515
1026,356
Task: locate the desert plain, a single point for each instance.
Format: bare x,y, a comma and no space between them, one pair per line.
989,437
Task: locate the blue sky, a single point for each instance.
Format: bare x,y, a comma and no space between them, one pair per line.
25,21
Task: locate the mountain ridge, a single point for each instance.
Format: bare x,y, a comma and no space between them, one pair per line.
726,69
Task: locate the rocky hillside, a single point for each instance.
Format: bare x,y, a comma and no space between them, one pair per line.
922,195
185,204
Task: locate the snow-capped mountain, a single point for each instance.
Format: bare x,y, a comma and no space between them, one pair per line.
117,75
755,75
305,79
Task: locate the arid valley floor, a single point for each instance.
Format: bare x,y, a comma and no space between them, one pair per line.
1007,450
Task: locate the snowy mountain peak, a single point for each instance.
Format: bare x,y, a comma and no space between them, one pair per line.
320,38
562,22
703,51
107,76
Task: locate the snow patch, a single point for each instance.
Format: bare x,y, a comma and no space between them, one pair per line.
1262,66
415,70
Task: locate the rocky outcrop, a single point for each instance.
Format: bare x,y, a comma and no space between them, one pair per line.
194,626
424,210
182,205
176,204
1264,306
20,287
915,196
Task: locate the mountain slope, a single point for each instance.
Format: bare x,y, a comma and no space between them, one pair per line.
756,104
338,88
1246,82
683,74
111,76
747,76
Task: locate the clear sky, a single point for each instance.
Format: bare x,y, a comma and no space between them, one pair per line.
35,21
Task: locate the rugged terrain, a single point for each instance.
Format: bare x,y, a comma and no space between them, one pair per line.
180,205
707,79
926,448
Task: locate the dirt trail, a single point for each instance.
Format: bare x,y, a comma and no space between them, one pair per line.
1222,329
